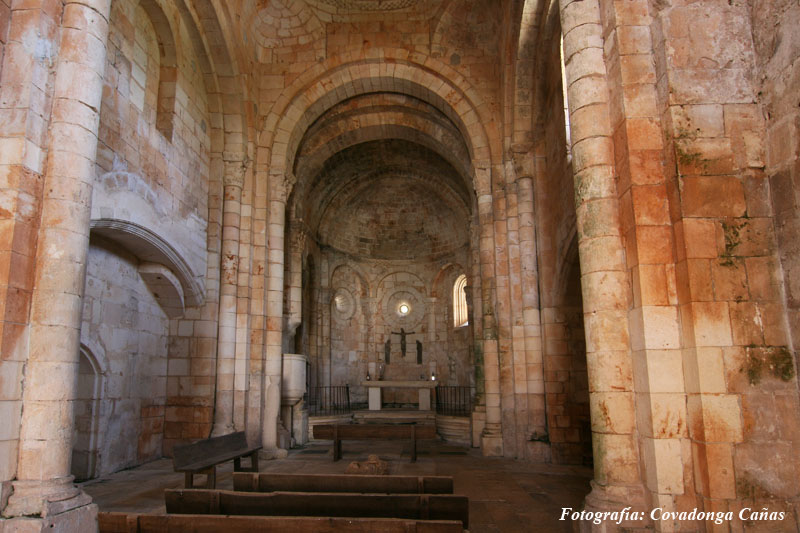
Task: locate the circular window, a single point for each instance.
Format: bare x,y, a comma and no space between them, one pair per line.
343,304
405,307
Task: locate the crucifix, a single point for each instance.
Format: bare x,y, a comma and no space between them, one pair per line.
403,334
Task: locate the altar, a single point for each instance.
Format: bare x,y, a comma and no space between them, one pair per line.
375,388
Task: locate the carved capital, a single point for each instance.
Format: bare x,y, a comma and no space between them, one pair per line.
281,185
235,171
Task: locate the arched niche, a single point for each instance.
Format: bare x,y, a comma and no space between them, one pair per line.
87,414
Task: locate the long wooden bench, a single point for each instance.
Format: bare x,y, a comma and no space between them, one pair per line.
202,457
413,506
137,523
247,482
340,432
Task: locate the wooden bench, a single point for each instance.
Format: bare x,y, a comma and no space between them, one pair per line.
247,482
202,457
409,506
140,523
340,432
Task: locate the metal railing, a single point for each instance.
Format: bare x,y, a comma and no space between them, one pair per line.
327,401
454,401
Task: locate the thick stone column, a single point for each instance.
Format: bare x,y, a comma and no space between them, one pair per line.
44,487
532,326
233,180
503,320
272,365
492,436
604,276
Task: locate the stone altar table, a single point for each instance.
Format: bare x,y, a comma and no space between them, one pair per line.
424,388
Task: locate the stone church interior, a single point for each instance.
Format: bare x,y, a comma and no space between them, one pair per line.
564,233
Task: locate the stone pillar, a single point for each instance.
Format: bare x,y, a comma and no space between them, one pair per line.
257,312
655,330
272,365
502,317
492,436
432,321
604,277
233,180
44,486
532,326
297,238
324,341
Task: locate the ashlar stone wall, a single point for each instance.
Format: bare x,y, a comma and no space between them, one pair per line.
127,331
154,167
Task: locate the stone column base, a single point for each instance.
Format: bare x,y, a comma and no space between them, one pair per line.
220,430
272,453
83,519
491,445
44,498
611,498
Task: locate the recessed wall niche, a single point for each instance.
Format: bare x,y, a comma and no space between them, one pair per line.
344,304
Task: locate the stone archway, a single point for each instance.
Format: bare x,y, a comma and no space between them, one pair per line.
319,90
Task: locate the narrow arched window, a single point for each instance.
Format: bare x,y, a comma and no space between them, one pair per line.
460,317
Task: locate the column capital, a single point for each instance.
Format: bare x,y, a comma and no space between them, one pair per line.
281,183
235,170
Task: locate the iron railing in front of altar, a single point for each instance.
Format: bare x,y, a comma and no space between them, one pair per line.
328,401
454,400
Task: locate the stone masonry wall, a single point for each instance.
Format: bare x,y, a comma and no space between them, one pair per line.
158,178
126,325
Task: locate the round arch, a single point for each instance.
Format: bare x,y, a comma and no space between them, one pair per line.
386,70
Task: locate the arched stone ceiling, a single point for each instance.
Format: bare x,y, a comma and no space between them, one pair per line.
381,116
388,199
282,24
384,176
356,10
275,20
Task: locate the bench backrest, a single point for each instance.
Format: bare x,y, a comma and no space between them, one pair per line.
375,431
255,482
135,523
207,448
415,506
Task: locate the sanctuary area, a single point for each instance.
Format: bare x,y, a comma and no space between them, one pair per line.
560,232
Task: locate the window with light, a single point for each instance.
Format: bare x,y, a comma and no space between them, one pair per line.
460,317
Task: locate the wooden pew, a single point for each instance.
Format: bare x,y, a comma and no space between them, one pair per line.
202,457
340,432
414,506
247,482
136,523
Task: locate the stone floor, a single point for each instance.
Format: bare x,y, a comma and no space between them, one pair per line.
505,495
